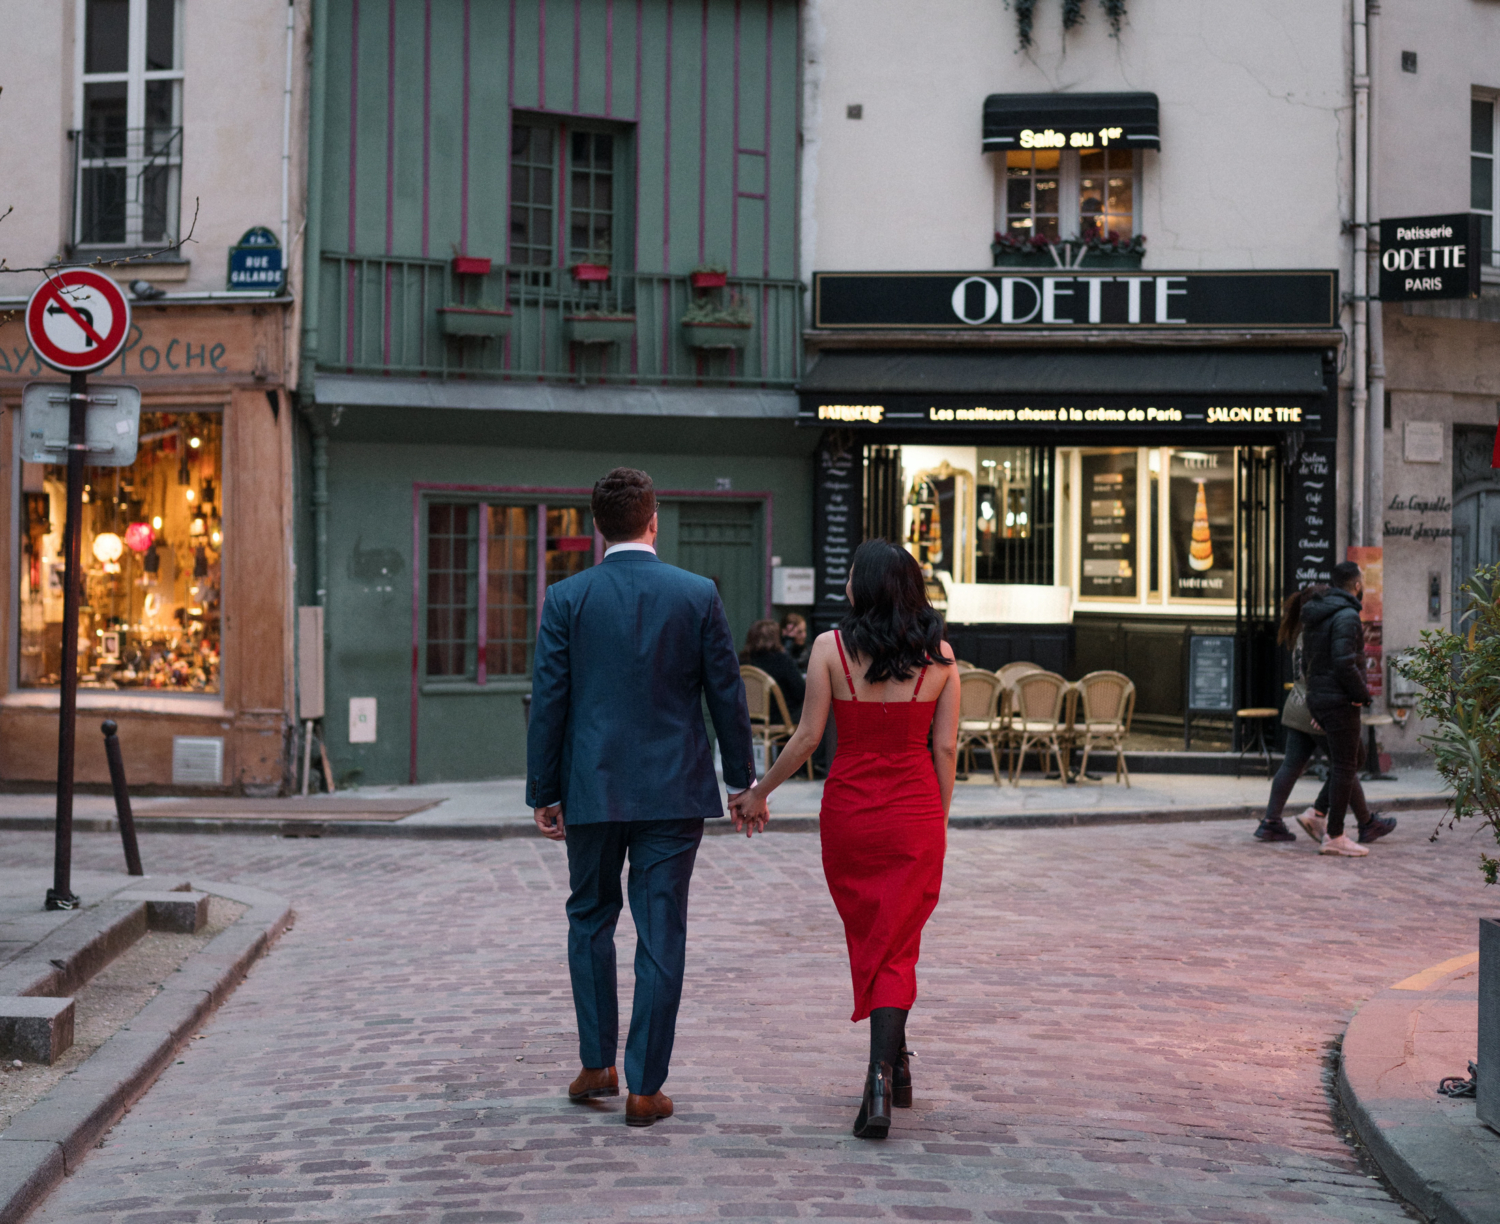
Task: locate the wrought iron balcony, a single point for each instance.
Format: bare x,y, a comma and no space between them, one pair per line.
390,315
127,186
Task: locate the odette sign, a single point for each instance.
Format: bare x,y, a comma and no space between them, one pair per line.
1426,259
77,320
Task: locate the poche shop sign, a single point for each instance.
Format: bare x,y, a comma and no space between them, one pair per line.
1429,258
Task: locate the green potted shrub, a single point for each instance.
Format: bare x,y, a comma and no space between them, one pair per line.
1460,677
708,325
598,327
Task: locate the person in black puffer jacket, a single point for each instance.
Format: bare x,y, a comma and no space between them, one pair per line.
1333,641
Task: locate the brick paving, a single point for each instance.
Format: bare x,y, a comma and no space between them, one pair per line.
1128,1023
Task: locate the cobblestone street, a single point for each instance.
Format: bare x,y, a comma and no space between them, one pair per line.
1132,1022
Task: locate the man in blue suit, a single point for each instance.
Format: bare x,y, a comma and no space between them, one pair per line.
619,767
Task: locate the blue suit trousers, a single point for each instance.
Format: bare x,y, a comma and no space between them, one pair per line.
661,854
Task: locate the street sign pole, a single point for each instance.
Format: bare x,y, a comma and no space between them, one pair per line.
77,320
61,895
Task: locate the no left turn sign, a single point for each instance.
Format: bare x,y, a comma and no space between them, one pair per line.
77,320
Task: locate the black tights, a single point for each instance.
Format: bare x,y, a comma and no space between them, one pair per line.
1300,748
887,1034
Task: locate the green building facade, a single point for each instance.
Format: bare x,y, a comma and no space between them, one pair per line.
545,238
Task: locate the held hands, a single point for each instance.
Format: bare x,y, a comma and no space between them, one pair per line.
549,821
748,811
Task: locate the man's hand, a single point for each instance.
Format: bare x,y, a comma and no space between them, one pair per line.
549,820
748,811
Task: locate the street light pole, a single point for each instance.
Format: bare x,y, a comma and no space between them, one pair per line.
61,895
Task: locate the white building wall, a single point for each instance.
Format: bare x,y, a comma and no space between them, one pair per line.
234,63
1255,104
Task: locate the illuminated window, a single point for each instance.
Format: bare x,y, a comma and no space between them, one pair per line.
152,552
1068,193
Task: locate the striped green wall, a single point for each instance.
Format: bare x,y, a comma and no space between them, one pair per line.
415,96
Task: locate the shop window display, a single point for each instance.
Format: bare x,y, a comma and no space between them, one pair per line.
152,549
1201,524
1110,541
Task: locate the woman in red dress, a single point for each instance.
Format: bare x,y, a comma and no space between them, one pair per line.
887,674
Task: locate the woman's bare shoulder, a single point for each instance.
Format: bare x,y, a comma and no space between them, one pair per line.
947,650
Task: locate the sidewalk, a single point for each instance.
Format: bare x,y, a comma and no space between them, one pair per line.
497,808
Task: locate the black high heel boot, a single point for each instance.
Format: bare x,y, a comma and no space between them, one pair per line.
901,1079
874,1120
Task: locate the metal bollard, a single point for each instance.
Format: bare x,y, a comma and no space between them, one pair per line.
122,797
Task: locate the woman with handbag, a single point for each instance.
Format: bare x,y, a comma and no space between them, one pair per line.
1303,739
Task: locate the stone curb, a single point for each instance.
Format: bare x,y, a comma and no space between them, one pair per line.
1434,1150
803,823
47,1141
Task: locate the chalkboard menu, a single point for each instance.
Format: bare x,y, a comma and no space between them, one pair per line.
1108,550
1210,674
1309,522
837,527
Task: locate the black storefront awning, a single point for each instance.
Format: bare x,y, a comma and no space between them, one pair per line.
1201,372
1076,121
1100,395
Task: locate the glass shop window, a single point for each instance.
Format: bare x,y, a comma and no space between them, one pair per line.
472,640
1482,173
152,553
566,189
1108,551
1200,524
1013,522
1068,194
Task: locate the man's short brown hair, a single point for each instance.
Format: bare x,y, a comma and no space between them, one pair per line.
623,504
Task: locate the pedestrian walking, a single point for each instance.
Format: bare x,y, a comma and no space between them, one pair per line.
889,678
1334,655
618,766
1303,738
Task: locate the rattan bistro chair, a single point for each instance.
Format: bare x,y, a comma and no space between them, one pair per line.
1012,672
770,720
1108,699
978,716
1038,720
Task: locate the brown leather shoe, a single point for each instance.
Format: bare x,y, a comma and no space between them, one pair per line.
644,1110
594,1082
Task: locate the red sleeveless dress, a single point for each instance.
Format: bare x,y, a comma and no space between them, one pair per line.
884,836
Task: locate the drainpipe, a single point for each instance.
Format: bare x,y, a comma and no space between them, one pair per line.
1359,407
312,245
286,134
320,509
1375,500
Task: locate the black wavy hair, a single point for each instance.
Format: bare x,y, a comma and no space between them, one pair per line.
892,622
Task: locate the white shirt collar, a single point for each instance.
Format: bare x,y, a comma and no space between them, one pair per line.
614,548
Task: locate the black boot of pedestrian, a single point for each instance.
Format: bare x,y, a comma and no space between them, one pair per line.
901,1079
1375,828
874,1119
1274,831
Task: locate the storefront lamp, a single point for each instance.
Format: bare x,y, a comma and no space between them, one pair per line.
139,537
189,494
217,538
198,527
156,523
195,443
108,547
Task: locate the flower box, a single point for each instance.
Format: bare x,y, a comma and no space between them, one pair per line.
1090,260
475,321
716,335
708,280
598,328
471,265
590,272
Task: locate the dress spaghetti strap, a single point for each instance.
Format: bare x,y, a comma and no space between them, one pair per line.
839,642
920,677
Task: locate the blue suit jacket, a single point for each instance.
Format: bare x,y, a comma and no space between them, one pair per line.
625,656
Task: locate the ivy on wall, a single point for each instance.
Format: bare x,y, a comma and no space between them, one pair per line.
1072,17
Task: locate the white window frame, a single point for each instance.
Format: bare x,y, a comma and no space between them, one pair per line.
1489,261
136,78
1069,175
